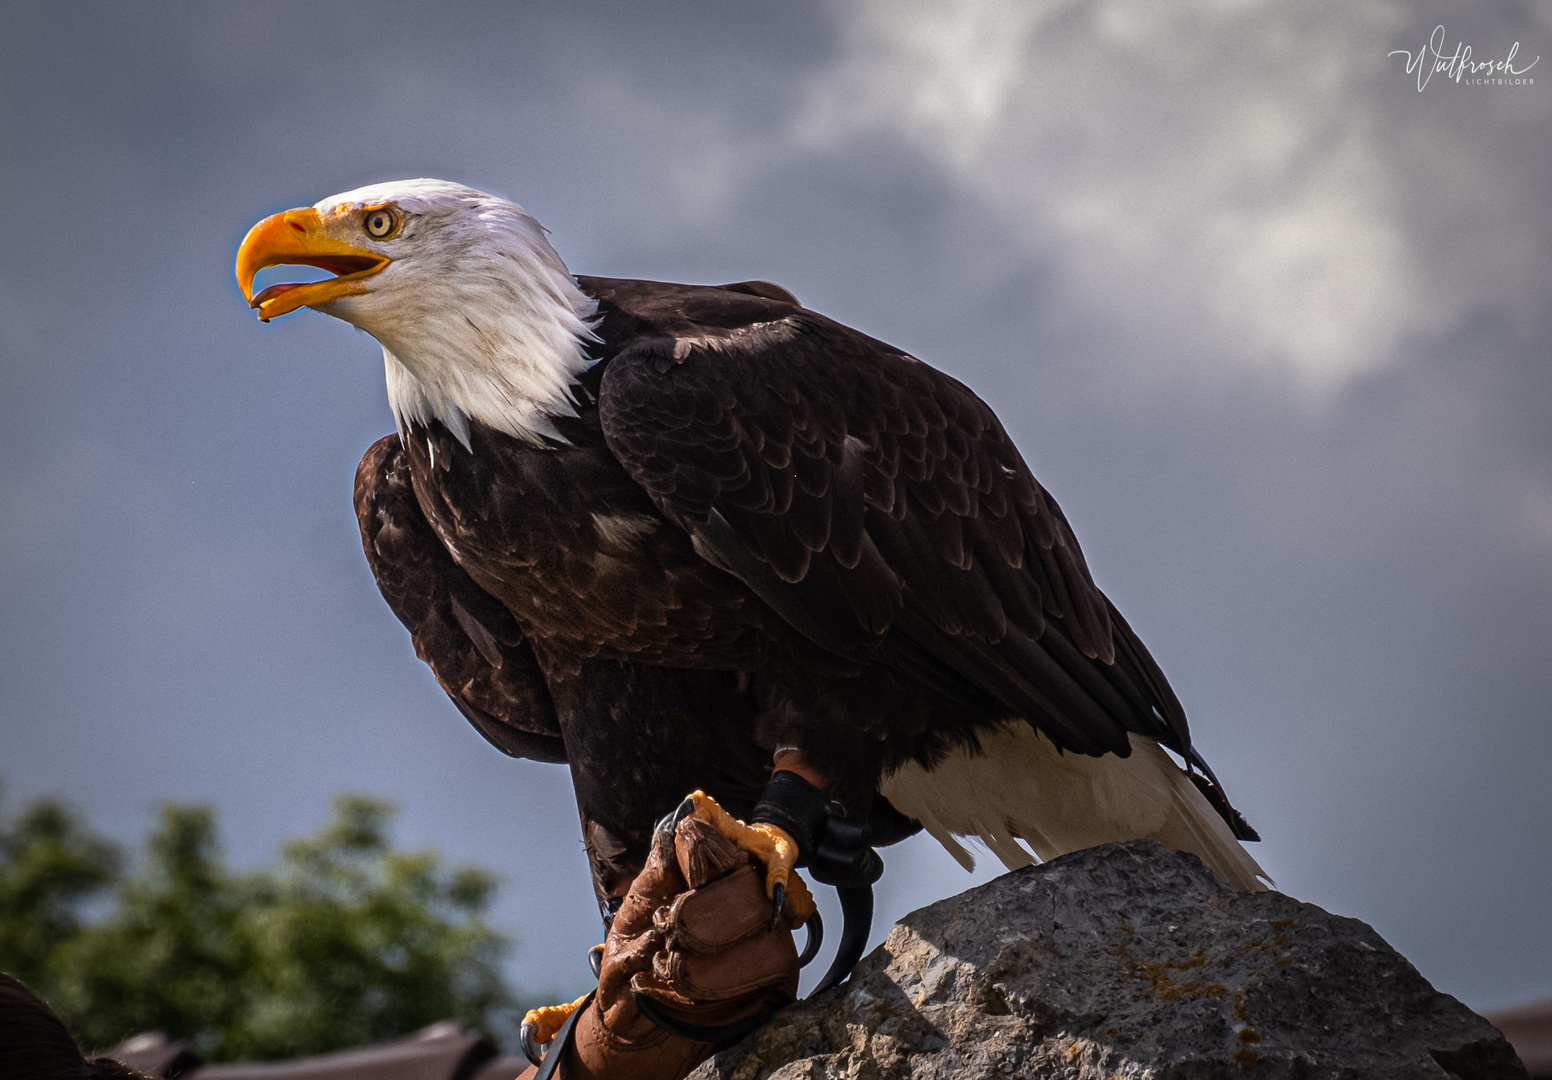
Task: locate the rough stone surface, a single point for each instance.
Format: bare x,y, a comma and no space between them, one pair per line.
1124,961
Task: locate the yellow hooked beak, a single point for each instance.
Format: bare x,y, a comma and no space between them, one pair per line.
299,236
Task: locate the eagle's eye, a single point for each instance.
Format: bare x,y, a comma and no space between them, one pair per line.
381,223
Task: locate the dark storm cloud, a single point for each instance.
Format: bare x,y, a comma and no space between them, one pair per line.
1271,324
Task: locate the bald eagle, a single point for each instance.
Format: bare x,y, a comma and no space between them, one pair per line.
673,533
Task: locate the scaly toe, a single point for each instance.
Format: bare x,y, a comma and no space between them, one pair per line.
775,849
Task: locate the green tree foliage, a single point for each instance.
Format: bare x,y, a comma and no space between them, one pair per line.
357,943
172,955
49,866
344,941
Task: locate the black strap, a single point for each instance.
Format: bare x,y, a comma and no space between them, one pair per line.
562,1039
716,1034
844,856
795,806
856,922
837,850
815,925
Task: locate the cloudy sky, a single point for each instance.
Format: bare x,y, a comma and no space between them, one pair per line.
1270,321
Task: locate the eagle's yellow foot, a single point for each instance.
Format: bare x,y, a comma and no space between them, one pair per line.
769,844
540,1026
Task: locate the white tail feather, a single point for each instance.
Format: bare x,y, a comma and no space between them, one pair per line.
1020,786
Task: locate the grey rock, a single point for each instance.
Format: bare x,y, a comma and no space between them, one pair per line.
1124,961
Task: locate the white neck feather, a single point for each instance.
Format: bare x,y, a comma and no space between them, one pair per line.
498,354
491,401
477,315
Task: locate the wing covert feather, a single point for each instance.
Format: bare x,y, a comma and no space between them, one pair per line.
471,642
845,469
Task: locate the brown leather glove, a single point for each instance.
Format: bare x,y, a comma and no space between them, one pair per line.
695,936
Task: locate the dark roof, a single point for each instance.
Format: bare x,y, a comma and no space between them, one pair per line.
443,1051
1529,1030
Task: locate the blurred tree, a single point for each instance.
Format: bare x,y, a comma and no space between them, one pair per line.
50,865
175,954
356,943
345,941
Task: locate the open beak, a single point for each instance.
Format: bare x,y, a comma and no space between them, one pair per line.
298,236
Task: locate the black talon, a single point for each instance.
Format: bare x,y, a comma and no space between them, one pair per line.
607,910
778,899
595,960
663,834
685,809
531,1049
815,927
671,821
552,1057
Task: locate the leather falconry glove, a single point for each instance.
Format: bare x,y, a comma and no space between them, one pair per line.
694,961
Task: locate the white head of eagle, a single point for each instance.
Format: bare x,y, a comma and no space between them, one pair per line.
476,313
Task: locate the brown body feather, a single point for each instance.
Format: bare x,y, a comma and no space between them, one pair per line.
763,528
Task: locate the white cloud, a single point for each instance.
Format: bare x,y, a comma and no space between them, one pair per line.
1221,174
